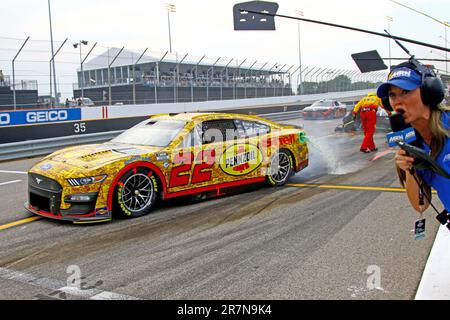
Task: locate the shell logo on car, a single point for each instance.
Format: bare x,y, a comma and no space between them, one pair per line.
166,156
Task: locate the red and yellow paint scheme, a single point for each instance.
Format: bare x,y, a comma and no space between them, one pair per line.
166,156
325,109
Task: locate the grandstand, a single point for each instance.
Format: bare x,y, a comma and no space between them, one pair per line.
160,80
26,93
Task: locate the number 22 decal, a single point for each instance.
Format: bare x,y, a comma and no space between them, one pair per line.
202,170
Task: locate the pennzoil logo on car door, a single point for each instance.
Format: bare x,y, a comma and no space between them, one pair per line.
240,159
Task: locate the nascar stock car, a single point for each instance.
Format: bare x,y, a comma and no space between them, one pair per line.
163,157
325,109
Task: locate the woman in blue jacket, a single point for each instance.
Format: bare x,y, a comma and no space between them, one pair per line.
431,119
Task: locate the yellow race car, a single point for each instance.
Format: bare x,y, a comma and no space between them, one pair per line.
165,156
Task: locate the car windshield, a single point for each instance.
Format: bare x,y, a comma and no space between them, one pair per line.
325,103
154,133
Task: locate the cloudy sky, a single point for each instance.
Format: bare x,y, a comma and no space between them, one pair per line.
205,27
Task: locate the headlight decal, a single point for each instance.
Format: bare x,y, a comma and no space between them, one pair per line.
80,198
76,182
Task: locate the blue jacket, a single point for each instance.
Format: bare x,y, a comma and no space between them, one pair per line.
437,182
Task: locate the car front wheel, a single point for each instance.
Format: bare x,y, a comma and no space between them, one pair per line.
135,193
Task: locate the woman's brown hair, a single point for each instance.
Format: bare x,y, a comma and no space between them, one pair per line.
438,136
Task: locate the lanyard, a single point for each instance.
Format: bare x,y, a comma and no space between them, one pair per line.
444,216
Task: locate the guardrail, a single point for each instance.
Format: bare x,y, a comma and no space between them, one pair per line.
279,116
33,148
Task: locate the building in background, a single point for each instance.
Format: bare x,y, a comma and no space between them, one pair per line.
155,80
26,93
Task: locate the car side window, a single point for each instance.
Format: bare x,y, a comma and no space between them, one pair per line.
253,128
218,130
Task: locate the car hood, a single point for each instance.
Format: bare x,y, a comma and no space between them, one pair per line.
97,155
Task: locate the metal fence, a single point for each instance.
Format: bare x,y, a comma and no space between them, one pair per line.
188,83
135,76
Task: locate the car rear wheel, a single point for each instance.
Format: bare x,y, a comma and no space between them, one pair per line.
135,193
281,168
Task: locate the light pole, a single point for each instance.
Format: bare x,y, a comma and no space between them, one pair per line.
170,8
53,54
300,82
51,60
389,20
75,45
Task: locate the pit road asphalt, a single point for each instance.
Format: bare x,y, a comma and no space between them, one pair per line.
268,243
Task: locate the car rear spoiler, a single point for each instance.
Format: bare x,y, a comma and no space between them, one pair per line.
293,126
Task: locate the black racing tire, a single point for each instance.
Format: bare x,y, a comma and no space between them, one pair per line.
135,193
281,168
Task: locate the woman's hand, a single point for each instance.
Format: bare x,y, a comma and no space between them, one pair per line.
403,161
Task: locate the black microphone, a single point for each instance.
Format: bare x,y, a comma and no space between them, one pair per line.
401,131
397,122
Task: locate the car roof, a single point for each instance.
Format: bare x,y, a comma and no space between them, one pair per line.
189,116
325,100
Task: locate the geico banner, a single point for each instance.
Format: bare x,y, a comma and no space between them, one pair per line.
13,118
